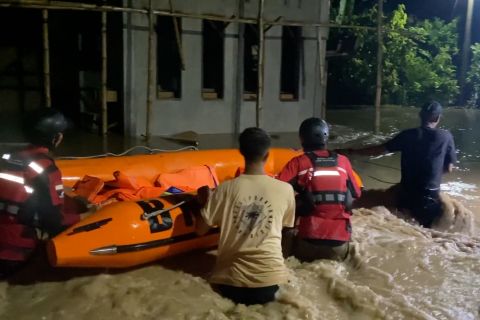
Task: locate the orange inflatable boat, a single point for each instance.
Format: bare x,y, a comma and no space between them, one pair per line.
131,233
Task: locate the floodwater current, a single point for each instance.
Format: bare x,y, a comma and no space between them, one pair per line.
397,270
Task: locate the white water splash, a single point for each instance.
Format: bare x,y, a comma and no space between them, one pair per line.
460,189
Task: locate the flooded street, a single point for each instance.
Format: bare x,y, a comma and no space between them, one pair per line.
397,270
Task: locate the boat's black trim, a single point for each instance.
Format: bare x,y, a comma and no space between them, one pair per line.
153,244
160,243
89,227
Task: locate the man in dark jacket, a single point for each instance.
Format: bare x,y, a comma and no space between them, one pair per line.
427,153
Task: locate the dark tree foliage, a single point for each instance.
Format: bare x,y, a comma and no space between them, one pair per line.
417,65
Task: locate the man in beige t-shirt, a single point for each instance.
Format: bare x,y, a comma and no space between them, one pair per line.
251,211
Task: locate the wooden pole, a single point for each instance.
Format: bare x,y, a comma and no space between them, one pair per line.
46,60
61,5
324,95
151,74
322,72
260,67
239,67
177,37
467,40
104,75
378,95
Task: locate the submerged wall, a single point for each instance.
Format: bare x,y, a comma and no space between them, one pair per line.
191,111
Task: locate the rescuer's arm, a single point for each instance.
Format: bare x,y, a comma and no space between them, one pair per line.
203,195
201,227
451,155
303,200
355,189
288,231
289,174
450,168
77,206
45,206
367,151
396,144
289,216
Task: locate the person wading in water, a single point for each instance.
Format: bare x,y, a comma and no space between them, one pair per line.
31,191
427,153
251,211
325,186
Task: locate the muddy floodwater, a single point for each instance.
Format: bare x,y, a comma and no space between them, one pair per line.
397,270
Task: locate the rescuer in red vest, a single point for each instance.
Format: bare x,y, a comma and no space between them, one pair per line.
325,186
31,190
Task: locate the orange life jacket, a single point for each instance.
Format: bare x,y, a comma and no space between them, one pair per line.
189,179
131,188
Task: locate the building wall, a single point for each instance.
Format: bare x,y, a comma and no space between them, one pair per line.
191,112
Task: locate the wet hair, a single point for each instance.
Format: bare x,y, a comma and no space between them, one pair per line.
430,112
314,134
41,126
254,144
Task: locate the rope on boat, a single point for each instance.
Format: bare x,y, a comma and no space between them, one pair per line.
381,165
147,216
110,154
383,181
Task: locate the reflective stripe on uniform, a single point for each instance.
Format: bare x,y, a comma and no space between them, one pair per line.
329,197
36,167
326,173
59,189
28,189
341,169
303,172
10,208
11,177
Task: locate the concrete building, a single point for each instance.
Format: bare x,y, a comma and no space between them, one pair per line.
191,111
205,78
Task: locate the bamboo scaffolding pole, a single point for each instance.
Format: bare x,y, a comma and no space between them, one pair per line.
240,72
271,25
324,95
104,75
151,74
467,41
260,66
59,5
378,95
46,60
321,47
177,37
291,23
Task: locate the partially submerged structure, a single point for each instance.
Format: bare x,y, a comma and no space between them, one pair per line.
166,66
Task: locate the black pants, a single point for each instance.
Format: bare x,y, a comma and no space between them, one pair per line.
248,296
425,205
8,267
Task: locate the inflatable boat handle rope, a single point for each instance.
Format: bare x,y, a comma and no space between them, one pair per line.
147,216
110,154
